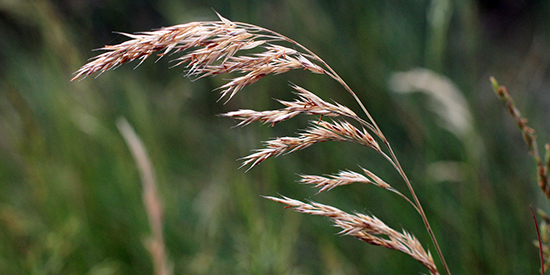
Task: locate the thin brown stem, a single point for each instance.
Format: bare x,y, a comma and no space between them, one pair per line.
422,214
540,242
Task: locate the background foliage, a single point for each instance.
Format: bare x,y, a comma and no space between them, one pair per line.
70,193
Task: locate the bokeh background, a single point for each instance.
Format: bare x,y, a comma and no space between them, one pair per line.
71,195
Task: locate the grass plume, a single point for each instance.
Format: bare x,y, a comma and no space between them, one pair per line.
250,53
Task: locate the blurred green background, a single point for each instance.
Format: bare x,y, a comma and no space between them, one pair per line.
70,192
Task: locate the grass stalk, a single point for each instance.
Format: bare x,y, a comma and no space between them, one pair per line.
220,47
151,199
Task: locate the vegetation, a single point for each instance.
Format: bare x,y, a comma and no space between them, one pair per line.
73,173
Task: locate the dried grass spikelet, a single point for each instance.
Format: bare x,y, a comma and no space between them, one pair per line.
307,103
212,48
320,131
326,183
366,228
